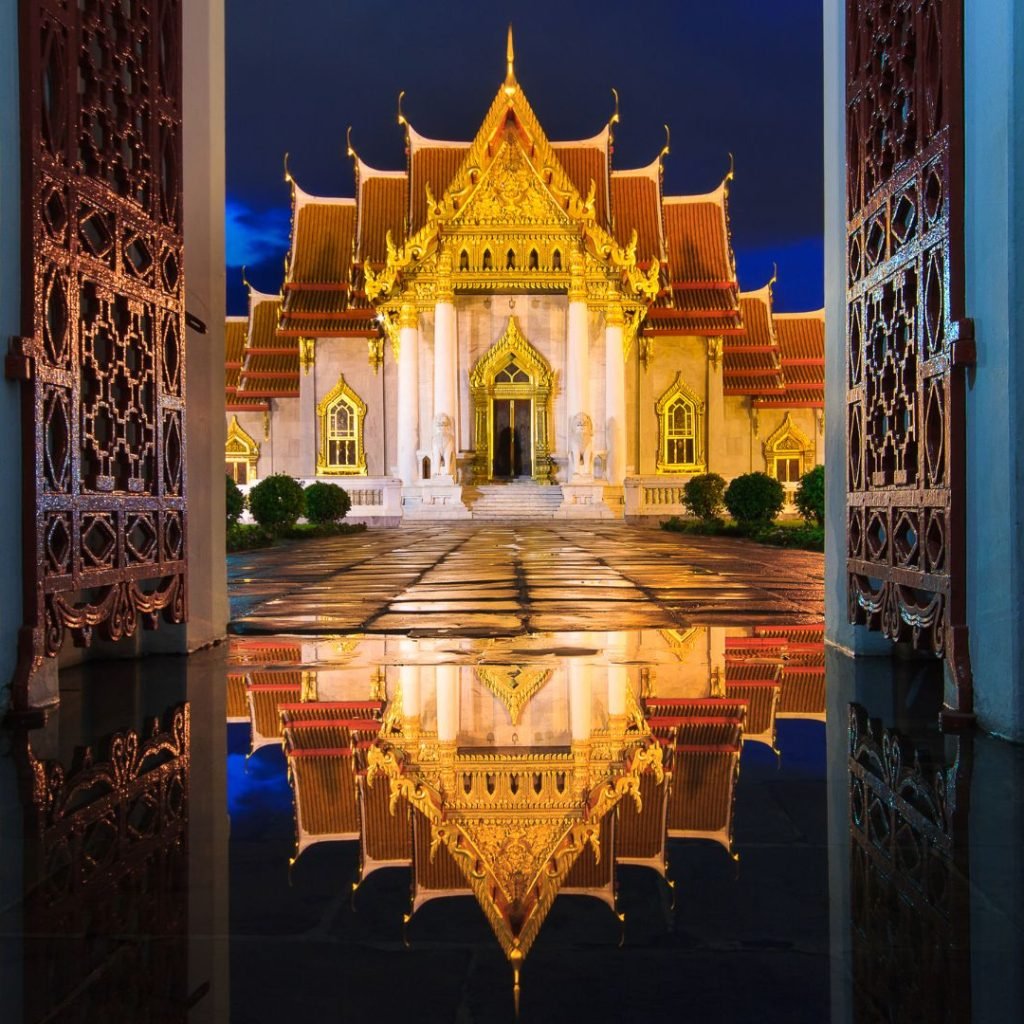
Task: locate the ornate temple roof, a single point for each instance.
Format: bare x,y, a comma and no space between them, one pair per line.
235,330
270,368
802,346
752,359
636,206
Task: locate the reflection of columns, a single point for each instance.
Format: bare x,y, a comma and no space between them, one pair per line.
716,408
716,661
618,680
447,696
577,357
580,700
408,393
614,396
444,352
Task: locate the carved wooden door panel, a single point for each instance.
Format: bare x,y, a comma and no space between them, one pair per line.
103,359
908,342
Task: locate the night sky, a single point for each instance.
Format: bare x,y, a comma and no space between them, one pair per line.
740,76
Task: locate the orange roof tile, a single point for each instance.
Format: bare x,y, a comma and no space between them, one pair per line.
636,207
801,339
271,365
234,355
319,264
585,162
433,164
383,207
752,362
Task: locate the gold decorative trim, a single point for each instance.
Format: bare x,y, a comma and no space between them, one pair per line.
513,685
512,345
680,389
341,392
307,354
241,447
787,441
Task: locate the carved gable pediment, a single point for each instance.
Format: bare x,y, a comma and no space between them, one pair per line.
510,192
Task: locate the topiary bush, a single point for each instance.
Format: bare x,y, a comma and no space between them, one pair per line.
234,502
702,496
326,503
276,502
754,499
810,495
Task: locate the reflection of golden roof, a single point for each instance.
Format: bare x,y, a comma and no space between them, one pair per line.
513,685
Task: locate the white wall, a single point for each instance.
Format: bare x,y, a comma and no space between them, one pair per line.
994,233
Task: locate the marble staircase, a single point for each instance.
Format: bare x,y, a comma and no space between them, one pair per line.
518,499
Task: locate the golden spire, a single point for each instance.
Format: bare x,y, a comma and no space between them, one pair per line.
510,60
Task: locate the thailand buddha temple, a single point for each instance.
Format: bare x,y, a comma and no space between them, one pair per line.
516,310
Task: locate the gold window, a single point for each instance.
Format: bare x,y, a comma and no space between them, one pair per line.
241,454
680,430
788,454
341,414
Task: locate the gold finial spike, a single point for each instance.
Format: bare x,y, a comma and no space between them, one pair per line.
668,141
245,280
774,278
732,169
510,60
401,117
349,151
287,173
614,119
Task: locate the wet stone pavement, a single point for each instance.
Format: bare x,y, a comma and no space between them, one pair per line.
498,580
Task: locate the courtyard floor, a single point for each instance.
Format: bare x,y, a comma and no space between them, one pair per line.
504,579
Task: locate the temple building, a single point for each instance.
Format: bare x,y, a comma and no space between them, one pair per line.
513,309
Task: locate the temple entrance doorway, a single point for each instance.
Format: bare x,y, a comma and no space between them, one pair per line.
511,385
513,446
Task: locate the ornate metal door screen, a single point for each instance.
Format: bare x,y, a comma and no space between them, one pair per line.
907,340
103,359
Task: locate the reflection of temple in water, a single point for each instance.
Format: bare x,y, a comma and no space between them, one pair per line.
518,769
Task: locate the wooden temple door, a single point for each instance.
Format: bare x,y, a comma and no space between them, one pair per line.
908,342
102,359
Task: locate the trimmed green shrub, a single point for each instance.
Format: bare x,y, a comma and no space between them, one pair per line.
810,495
702,496
754,499
326,503
234,502
276,502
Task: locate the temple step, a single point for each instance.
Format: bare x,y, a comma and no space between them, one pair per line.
516,500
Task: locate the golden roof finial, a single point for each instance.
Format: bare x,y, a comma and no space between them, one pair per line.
510,60
668,141
287,173
349,151
614,119
732,169
245,280
401,117
774,277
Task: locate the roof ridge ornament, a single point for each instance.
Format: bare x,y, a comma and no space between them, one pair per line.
510,60
615,118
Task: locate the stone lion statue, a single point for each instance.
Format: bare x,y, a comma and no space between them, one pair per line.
442,449
581,445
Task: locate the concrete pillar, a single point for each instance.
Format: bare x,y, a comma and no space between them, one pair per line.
715,408
615,396
407,416
309,441
618,680
577,356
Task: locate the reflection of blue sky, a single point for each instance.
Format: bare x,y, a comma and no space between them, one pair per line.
259,798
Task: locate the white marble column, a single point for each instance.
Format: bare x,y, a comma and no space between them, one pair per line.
445,355
615,396
408,394
577,367
715,408
308,440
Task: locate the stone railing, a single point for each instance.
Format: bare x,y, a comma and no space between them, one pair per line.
654,496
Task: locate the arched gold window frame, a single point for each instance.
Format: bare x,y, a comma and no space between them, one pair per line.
241,449
787,442
679,390
340,393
